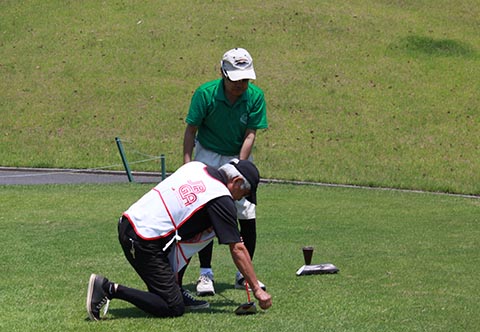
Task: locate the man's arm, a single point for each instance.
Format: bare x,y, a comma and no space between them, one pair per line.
247,145
189,142
243,262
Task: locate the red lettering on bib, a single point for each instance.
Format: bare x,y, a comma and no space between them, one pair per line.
188,192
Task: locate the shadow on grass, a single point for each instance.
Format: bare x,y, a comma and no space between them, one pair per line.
216,306
220,287
134,313
225,301
433,47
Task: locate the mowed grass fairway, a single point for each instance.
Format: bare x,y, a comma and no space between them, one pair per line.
408,261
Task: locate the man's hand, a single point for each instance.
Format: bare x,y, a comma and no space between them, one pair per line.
189,143
244,264
264,299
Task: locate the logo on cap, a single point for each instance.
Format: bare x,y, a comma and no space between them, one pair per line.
237,64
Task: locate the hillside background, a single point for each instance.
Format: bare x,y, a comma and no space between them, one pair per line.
376,93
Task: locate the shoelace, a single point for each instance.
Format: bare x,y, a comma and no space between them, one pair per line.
104,302
205,279
188,296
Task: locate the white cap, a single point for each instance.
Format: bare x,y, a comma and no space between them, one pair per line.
237,64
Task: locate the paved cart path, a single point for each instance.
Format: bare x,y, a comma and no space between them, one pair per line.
13,175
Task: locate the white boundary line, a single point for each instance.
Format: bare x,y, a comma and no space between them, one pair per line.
352,186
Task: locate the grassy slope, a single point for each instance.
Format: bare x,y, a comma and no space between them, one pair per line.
379,93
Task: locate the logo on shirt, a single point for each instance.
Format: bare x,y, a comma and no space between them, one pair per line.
244,118
189,191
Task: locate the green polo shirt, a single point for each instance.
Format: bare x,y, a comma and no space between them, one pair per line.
221,126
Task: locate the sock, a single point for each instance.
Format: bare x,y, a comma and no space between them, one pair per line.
110,288
207,271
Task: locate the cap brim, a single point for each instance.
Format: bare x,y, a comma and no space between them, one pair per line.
237,75
250,172
252,198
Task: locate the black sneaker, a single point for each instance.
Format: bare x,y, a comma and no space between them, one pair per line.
191,303
97,297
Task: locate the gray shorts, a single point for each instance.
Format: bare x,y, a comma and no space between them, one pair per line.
245,209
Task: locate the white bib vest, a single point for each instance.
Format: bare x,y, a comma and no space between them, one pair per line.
161,211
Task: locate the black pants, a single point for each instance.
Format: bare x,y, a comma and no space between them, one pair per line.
164,298
248,231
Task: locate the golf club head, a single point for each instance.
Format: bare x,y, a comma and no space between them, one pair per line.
248,308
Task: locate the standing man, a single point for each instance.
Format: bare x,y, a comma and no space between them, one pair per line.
169,224
222,122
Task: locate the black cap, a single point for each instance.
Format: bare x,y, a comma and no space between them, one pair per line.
249,172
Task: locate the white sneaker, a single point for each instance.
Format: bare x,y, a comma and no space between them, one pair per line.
240,283
205,285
